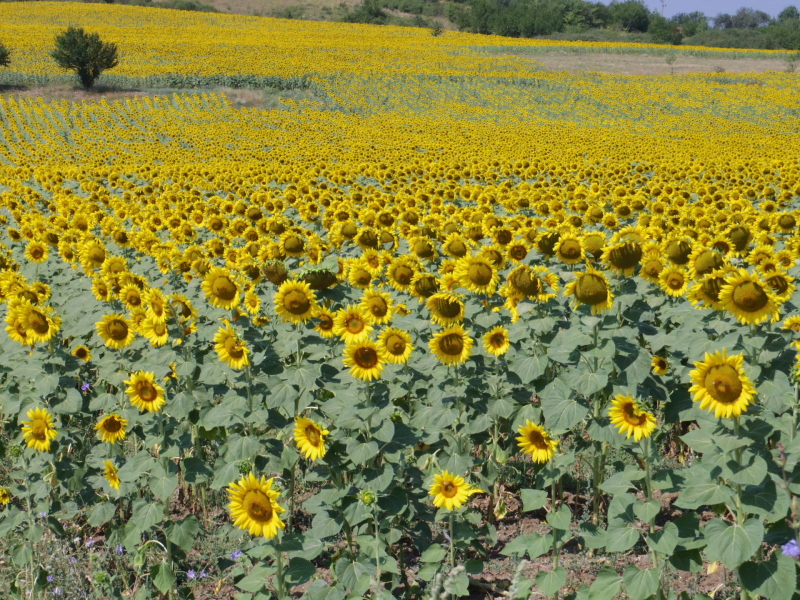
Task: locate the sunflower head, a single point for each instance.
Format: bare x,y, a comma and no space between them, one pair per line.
477,274
748,298
591,288
144,393
310,438
295,302
496,341
452,346
720,385
535,441
450,491
111,473
660,365
111,428
116,331
82,353
396,345
254,506
365,359
38,431
230,349
630,419
446,308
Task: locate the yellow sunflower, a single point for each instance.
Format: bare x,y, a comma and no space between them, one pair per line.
446,308
534,440
157,306
115,331
591,288
5,496
673,281
230,349
652,266
131,296
623,258
452,345
111,474
111,428
660,365
396,345
631,419
477,274
792,323
720,385
252,303
365,360
38,431
352,324
749,299
254,506
310,438
496,341
220,288
378,304
144,392
82,353
39,324
36,252
325,325
155,331
295,302
451,491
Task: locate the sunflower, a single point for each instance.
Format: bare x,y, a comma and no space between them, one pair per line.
569,249
591,288
254,506
631,419
748,298
396,345
705,293
111,474
15,329
83,353
534,440
157,306
144,392
452,345
623,258
38,430
5,496
230,349
310,438
792,323
295,302
131,296
115,331
325,325
220,288
154,330
401,273
101,290
359,275
36,252
446,308
660,365
673,281
781,284
496,341
477,274
378,305
450,491
111,428
424,285
37,322
703,261
365,360
720,385
352,324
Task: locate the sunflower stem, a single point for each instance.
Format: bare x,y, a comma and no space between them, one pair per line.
291,498
741,516
249,378
377,546
281,585
452,544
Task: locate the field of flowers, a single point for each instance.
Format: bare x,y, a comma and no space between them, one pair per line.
458,327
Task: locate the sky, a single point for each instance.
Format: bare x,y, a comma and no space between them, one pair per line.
714,7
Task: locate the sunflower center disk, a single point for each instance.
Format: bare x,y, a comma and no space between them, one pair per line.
591,289
257,506
38,322
326,324
626,256
39,431
633,416
294,244
378,307
112,425
117,330
457,248
707,262
296,302
447,308
779,284
234,348
449,490
749,297
223,287
355,324
146,391
403,275
362,276
395,344
452,344
537,439
527,283
675,281
480,274
570,249
312,435
366,358
723,384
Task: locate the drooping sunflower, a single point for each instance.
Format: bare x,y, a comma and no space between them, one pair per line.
230,349
703,261
111,428
310,438
452,346
396,345
83,353
115,331
721,386
748,298
365,359
630,419
144,393
673,281
220,288
478,274
781,284
295,302
451,491
660,365
535,440
705,293
446,308
254,506
111,473
38,431
39,324
424,285
378,304
623,257
591,288
496,341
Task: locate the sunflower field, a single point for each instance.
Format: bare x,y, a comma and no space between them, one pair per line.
455,327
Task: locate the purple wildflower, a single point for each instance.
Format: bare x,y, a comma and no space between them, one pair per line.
120,550
191,573
236,554
50,579
85,386
72,560
43,515
57,591
791,549
89,543
203,574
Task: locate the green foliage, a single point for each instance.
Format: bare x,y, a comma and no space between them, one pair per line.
5,55
85,53
664,31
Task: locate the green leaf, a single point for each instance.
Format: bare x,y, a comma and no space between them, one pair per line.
196,470
101,513
162,576
224,474
562,410
361,452
355,576
731,543
592,536
620,483
561,518
665,540
589,383
163,483
529,368
435,553
775,579
641,584
620,538
768,501
532,543
606,586
183,533
71,404
324,525
255,580
533,499
646,510
300,570
145,515
550,582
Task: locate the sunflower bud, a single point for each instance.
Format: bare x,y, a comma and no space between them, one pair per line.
244,467
15,451
367,497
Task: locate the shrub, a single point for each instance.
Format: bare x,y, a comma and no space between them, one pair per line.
84,53
5,56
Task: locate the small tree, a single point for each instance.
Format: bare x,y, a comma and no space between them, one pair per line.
84,53
5,55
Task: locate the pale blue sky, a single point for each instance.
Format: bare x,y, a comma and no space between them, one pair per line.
714,7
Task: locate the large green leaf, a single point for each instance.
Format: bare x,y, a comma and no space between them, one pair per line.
606,586
664,540
731,543
162,576
775,579
549,582
183,533
641,584
562,409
